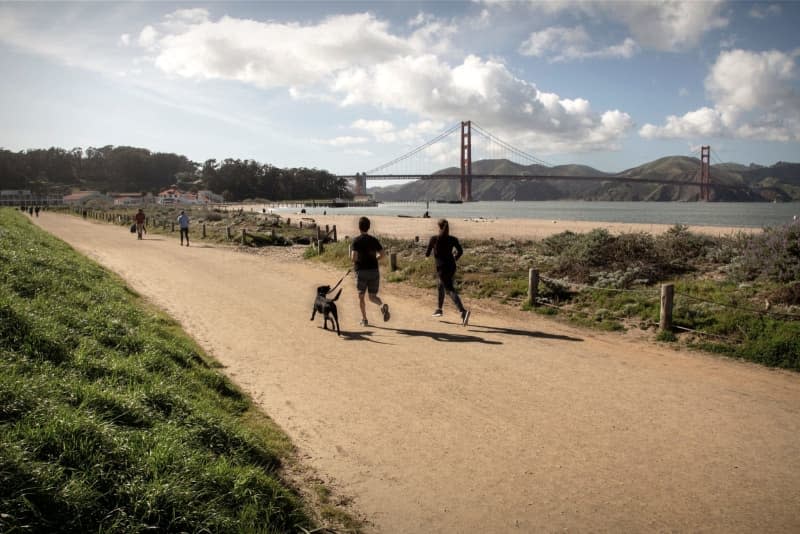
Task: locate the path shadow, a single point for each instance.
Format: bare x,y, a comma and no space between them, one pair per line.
441,336
361,336
516,332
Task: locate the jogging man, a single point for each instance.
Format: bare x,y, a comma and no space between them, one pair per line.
365,251
183,222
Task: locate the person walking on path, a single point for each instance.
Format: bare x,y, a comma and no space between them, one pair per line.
442,245
365,251
139,218
183,222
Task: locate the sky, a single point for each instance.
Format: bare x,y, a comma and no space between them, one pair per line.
348,86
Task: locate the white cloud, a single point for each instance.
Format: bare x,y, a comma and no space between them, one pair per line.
125,39
358,60
564,44
485,91
754,98
148,37
345,140
670,25
761,12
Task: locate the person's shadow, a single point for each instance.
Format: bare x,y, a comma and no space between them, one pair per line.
360,336
516,332
441,336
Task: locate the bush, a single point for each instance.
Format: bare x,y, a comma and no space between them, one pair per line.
773,255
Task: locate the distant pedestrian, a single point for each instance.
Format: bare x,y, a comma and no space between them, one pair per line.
365,251
30,211
36,210
442,245
183,222
139,218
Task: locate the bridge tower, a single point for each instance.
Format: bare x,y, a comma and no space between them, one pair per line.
705,172
466,161
360,188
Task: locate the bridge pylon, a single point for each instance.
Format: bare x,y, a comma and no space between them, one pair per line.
360,186
466,161
705,173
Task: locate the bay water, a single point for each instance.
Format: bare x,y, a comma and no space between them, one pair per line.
744,214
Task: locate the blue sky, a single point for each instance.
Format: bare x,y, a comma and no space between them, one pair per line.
347,86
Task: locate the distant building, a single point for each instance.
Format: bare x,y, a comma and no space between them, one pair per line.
132,199
169,196
82,197
15,197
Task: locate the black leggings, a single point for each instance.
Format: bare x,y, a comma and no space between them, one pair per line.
445,274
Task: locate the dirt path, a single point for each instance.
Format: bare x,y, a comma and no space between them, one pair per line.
515,423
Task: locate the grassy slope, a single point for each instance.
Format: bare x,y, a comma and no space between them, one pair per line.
112,419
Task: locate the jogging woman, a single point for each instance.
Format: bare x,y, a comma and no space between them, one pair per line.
442,245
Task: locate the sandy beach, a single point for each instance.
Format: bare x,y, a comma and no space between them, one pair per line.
409,227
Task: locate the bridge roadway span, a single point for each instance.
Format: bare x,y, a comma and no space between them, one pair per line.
514,424
621,179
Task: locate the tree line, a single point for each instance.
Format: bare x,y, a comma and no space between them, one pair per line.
124,169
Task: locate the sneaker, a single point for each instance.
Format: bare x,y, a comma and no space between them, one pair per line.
363,322
465,318
385,312
437,313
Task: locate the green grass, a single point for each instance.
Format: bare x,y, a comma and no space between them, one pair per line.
112,419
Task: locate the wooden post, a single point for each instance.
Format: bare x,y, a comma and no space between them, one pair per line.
533,286
667,294
244,236
393,261
228,231
204,230
173,226
334,234
288,221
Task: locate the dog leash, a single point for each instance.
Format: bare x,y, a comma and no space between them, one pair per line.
340,281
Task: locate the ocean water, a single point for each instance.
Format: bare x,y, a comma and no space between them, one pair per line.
748,214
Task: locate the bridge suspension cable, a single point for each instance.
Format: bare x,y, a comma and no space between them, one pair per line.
510,148
417,150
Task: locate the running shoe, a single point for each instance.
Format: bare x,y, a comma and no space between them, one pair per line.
465,318
437,313
363,322
385,312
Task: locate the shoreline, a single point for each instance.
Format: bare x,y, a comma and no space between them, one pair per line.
478,228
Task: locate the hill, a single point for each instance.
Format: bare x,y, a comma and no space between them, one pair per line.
734,183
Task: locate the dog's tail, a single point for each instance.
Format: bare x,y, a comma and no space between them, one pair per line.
337,296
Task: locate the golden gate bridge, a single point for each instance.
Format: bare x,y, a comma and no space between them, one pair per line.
416,165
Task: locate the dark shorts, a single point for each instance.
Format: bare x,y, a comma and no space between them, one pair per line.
368,280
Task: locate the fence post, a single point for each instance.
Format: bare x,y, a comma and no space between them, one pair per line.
334,234
667,294
204,230
393,261
533,286
228,231
244,236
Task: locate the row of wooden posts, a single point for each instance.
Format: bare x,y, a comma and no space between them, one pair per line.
667,290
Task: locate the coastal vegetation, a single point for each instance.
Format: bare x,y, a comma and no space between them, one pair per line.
113,420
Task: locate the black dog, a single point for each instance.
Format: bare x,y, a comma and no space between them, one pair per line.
327,307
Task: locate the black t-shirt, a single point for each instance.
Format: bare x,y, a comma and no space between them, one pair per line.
367,248
443,250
